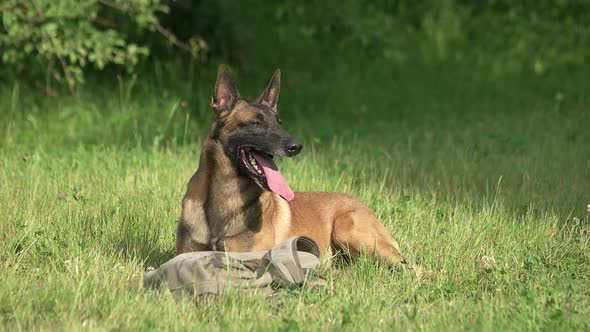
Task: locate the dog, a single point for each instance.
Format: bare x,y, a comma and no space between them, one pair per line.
238,200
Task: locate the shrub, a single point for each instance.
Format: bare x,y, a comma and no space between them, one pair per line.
62,38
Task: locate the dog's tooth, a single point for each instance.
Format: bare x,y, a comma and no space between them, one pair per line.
257,168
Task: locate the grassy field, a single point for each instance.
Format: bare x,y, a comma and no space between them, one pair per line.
484,183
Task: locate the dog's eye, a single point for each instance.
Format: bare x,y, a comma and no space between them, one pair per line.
256,122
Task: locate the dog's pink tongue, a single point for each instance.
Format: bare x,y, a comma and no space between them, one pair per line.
275,180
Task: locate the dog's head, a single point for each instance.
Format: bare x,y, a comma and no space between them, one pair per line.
252,134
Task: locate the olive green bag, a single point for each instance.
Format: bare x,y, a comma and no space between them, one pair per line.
291,263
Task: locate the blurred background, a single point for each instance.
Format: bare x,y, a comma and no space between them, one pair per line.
450,97
67,42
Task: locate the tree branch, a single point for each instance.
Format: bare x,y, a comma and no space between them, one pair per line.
102,21
12,6
163,31
172,38
63,63
113,5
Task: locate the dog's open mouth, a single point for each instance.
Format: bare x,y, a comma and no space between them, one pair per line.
262,167
247,153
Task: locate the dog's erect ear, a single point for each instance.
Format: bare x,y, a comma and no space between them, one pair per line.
270,96
226,93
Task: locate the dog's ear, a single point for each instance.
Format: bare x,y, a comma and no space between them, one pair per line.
226,93
270,96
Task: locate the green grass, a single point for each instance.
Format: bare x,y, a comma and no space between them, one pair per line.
457,166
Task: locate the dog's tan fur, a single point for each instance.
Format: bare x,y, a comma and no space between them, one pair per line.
223,210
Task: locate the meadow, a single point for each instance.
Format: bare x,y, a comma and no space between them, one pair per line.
484,181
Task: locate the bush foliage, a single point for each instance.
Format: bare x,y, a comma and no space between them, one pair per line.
63,40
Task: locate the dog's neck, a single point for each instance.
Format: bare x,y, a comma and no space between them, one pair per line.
233,203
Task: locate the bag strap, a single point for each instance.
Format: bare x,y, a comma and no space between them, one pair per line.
283,261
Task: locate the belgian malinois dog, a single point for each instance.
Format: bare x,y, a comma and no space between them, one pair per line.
238,200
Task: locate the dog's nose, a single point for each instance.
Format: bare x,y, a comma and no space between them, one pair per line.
294,147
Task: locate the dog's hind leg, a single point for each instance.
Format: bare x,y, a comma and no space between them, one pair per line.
359,230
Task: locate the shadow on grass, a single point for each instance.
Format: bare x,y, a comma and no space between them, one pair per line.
130,238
